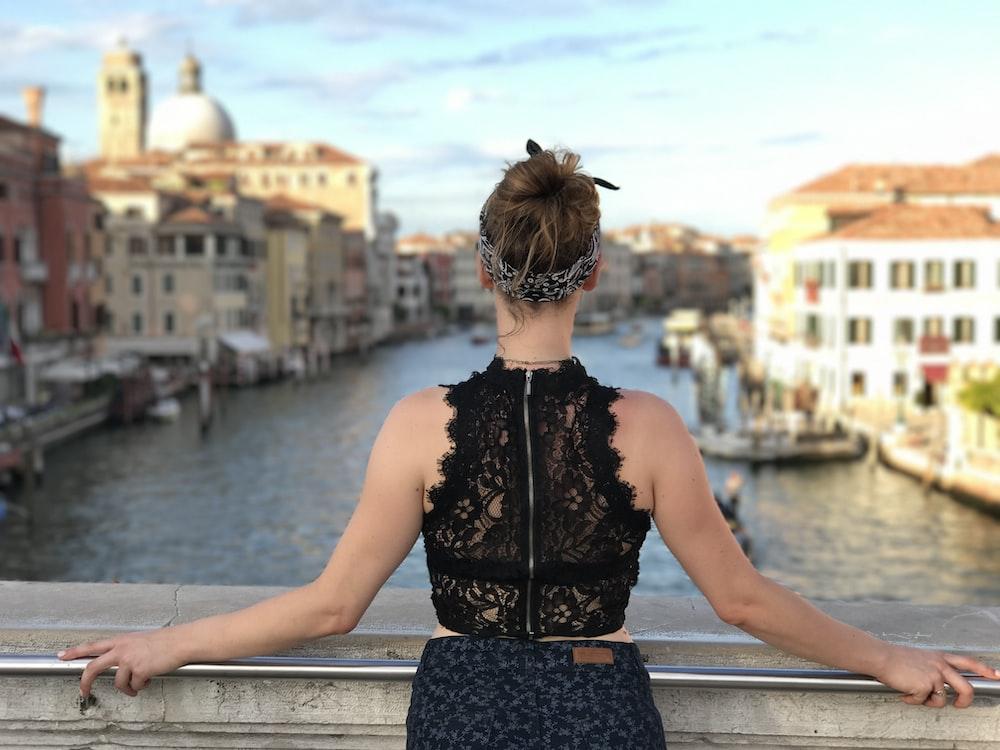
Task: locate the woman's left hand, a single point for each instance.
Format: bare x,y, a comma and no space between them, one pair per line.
139,657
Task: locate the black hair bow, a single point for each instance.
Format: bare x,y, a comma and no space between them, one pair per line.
534,148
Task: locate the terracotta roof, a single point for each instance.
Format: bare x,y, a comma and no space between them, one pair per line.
118,184
287,202
420,238
191,215
982,176
924,222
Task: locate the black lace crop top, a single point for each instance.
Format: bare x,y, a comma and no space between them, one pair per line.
532,531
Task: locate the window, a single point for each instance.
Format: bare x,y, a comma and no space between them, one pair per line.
108,287
17,248
168,283
964,274
814,330
137,246
933,276
899,383
352,179
857,384
902,274
902,331
194,244
137,284
859,330
3,191
168,322
220,244
996,330
304,179
321,179
859,274
963,330
134,212
165,245
934,326
137,323
831,274
3,247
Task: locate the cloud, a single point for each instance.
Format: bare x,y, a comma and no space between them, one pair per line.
792,139
460,98
339,86
343,20
554,47
137,28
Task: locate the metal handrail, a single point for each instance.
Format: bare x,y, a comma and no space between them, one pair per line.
403,670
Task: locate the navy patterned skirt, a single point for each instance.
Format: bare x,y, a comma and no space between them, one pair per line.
484,692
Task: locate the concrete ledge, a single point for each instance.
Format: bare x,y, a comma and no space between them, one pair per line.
292,713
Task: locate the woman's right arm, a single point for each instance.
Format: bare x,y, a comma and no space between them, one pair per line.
691,525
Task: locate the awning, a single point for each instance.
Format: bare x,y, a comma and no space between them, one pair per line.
935,373
245,342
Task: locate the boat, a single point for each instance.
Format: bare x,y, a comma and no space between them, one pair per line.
679,330
730,511
775,446
593,323
164,410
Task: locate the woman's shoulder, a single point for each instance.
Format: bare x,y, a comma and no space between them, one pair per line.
647,413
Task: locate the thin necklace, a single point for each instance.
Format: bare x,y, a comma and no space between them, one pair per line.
536,361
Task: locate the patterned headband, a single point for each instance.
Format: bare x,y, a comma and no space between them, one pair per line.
540,287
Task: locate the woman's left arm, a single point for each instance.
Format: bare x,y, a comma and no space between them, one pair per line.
381,532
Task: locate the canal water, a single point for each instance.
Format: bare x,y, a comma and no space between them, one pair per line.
264,497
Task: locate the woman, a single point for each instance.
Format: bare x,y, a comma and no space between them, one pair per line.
533,485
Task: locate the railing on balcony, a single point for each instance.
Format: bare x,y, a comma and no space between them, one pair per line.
34,271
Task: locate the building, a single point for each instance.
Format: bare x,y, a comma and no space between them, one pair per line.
49,229
121,104
613,293
192,139
822,206
886,304
287,285
181,269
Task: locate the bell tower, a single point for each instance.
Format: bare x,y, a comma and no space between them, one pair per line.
121,98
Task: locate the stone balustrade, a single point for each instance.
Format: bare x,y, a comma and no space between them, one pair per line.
193,712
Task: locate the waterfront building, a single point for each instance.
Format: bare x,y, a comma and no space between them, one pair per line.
49,228
473,303
675,265
381,276
885,305
412,307
192,136
825,204
614,289
286,281
438,254
180,269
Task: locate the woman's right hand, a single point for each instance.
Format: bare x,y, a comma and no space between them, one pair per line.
918,673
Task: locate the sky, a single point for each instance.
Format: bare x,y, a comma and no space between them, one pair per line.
701,110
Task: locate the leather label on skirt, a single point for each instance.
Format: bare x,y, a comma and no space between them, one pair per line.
593,655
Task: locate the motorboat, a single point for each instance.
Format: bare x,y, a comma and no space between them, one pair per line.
164,410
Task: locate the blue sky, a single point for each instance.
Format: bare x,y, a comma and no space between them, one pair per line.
701,110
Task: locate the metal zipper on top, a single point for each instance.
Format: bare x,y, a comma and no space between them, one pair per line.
531,504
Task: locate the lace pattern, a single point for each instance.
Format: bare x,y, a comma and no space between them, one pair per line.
587,531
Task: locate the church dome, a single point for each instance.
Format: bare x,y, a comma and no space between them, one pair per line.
189,116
